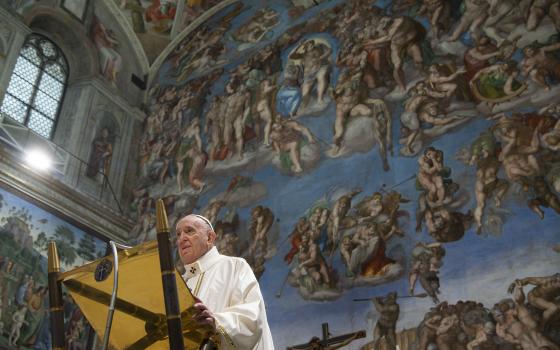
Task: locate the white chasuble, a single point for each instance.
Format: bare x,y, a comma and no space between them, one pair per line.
228,287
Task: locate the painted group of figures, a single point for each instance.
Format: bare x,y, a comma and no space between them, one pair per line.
197,128
24,300
24,315
358,234
523,146
187,134
24,310
254,238
159,15
524,321
257,247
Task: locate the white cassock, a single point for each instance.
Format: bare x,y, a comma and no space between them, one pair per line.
228,287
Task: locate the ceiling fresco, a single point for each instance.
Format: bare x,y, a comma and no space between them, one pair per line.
157,22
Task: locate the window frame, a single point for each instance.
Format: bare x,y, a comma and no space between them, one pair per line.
30,104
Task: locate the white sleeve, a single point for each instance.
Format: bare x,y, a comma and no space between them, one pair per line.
240,324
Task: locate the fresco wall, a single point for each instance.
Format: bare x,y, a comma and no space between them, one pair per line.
350,149
118,56
157,22
25,230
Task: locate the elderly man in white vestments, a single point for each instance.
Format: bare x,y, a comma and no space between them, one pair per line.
229,297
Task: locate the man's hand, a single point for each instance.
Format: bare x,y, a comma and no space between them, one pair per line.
514,285
203,315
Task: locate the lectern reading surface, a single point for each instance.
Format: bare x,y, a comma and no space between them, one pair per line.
139,321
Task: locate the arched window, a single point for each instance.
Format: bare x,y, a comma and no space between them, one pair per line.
37,85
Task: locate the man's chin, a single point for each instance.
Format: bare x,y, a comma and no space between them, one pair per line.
186,259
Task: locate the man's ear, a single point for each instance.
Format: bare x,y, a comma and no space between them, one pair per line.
211,237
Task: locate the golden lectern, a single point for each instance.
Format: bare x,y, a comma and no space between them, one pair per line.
134,299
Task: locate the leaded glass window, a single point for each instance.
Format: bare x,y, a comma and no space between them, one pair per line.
36,88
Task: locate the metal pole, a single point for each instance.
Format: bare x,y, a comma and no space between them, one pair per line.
113,296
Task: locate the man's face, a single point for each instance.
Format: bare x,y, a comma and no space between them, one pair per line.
383,23
432,110
434,285
510,313
315,215
438,222
499,317
431,154
510,131
194,238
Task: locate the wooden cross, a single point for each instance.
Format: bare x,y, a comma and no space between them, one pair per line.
328,343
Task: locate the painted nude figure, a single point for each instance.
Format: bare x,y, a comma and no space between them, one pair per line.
315,57
312,262
264,93
476,12
519,160
18,320
262,219
484,155
214,125
286,136
430,166
236,113
543,295
339,211
404,36
387,323
539,64
516,325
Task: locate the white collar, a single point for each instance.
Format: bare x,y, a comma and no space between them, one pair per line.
202,264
